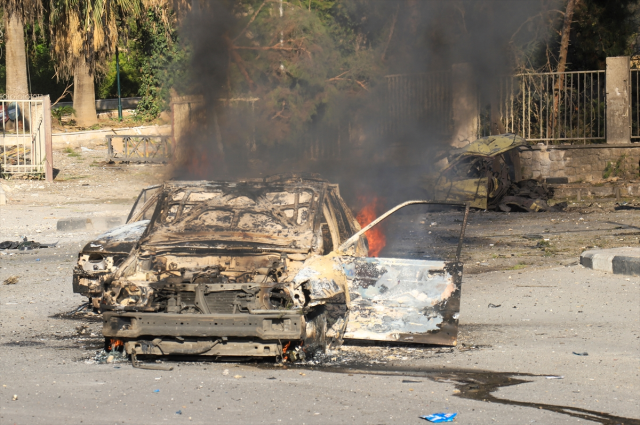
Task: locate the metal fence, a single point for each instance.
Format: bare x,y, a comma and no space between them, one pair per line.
132,148
23,131
555,107
423,100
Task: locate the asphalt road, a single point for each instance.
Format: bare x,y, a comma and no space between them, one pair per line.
548,308
544,317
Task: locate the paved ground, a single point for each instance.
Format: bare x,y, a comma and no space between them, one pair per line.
548,308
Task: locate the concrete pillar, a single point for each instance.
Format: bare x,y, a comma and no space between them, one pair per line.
465,105
618,100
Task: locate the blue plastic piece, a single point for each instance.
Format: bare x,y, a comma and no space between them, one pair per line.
438,418
156,391
179,412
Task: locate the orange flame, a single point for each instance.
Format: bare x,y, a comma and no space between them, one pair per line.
285,357
375,236
114,344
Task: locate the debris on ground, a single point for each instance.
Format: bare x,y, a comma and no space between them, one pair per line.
15,397
104,356
581,354
25,245
491,305
11,280
529,196
349,354
440,417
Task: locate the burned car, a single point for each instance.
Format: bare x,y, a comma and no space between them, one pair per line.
486,173
100,258
274,267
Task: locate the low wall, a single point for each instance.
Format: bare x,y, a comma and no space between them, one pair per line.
108,104
579,163
97,137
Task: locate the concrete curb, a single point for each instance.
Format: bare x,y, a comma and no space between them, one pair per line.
93,223
625,260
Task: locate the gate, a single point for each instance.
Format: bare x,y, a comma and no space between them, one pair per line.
25,125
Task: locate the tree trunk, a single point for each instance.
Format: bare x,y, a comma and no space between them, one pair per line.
17,86
84,96
562,60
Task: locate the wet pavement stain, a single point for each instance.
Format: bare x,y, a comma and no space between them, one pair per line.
479,386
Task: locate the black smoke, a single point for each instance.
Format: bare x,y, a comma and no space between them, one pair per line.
358,149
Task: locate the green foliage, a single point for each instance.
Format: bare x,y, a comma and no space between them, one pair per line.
162,64
601,29
107,87
61,111
615,170
40,66
71,152
310,81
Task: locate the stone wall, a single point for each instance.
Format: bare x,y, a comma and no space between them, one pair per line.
578,163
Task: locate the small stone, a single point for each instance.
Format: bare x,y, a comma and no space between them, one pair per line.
11,280
110,359
15,397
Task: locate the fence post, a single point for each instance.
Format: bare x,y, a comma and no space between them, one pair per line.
618,100
48,164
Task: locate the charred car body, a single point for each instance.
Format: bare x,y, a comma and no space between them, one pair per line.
258,268
486,173
100,258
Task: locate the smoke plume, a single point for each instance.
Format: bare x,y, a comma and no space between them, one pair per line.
280,93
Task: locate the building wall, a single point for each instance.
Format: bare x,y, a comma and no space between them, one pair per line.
579,163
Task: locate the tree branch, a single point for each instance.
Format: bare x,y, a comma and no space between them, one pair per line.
253,18
63,95
393,26
360,83
240,63
276,47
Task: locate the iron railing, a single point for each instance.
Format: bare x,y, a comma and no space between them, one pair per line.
132,148
22,137
555,107
419,99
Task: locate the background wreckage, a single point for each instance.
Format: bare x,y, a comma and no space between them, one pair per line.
486,173
269,268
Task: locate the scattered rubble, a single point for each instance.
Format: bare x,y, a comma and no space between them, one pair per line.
11,280
25,245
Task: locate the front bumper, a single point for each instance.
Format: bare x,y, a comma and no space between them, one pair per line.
272,326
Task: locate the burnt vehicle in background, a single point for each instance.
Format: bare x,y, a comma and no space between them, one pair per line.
99,259
486,173
275,267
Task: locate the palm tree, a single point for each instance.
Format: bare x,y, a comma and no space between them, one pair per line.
16,14
84,36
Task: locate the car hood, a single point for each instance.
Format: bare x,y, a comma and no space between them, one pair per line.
120,239
490,146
